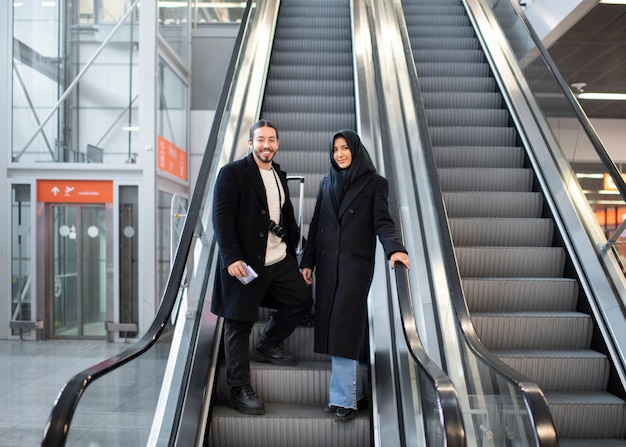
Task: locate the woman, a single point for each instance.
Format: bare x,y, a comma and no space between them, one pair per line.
351,209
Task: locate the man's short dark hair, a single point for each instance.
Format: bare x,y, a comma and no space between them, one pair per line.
262,123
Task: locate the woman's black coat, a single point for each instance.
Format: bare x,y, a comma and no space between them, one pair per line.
341,247
241,223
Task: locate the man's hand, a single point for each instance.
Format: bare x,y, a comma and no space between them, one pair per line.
236,269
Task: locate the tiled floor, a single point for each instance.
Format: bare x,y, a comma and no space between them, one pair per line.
31,375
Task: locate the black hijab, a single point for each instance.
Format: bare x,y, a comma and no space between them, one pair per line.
342,179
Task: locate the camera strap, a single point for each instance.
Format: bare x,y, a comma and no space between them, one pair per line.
280,196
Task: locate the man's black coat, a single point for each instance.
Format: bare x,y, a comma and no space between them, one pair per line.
241,224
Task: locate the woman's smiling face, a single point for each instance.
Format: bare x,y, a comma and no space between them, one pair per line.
341,153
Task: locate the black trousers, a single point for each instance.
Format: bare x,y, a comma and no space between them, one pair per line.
293,300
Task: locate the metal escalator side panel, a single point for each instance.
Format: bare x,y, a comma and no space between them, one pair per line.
429,405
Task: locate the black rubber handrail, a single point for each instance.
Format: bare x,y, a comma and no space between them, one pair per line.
60,419
451,422
447,396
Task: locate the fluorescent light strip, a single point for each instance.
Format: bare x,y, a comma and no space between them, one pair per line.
586,175
184,4
603,96
613,2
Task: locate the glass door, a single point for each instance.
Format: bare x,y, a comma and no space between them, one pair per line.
78,271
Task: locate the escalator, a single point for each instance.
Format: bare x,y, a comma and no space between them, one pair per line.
527,299
309,94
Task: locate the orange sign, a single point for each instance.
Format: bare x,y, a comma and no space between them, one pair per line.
611,217
609,184
171,158
75,191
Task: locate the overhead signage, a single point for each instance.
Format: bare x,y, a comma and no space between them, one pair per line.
171,159
75,191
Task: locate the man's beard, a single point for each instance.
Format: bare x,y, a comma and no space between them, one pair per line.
265,158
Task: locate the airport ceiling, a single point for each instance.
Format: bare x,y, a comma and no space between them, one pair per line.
593,52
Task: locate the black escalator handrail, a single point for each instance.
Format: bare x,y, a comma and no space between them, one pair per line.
452,416
58,425
582,117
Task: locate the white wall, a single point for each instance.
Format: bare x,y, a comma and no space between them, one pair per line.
578,148
200,122
612,132
552,18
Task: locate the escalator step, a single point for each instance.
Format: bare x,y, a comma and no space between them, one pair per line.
285,425
443,68
473,136
533,330
486,179
459,56
465,100
567,370
501,232
456,84
521,294
510,262
475,156
493,204
587,414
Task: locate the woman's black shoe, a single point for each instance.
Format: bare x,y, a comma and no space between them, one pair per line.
344,414
331,408
361,404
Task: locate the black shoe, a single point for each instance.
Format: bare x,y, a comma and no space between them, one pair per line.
308,320
245,400
274,355
344,414
362,404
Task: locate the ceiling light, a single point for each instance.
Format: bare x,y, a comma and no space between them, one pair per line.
603,96
222,5
587,175
613,2
173,4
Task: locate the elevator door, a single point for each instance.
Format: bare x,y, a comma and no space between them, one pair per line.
78,271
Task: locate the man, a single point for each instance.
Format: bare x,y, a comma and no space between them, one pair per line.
255,226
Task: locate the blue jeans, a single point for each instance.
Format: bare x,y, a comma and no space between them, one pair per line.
346,385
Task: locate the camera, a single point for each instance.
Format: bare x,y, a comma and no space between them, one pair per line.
277,229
